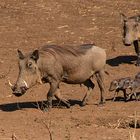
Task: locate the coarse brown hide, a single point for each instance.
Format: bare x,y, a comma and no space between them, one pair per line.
131,33
55,64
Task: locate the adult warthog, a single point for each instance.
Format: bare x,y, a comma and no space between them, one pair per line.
55,64
131,33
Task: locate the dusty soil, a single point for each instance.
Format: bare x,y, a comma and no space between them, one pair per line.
27,25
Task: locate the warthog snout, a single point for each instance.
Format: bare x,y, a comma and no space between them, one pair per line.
19,90
127,42
113,85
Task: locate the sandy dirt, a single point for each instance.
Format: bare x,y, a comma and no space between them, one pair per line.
29,24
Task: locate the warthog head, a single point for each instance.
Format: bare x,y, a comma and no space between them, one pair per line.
29,73
128,83
114,85
131,29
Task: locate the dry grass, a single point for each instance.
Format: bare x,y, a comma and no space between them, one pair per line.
14,137
132,135
47,126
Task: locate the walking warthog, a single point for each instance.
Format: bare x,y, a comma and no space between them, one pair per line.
55,64
118,85
131,33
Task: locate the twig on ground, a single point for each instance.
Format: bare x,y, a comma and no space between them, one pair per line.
133,134
135,117
118,124
14,137
48,130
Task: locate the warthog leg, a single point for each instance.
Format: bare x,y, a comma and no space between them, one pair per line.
135,95
100,81
131,94
53,87
137,50
60,98
125,95
90,85
115,95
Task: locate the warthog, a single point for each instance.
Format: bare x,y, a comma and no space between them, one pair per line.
134,86
131,33
55,64
118,85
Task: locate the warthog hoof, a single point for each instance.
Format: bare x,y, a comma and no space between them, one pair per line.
65,103
83,104
126,99
46,109
46,106
101,103
68,105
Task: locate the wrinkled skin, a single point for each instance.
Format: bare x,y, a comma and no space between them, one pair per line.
131,33
55,64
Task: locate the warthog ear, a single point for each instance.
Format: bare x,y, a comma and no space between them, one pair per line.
20,54
35,55
123,18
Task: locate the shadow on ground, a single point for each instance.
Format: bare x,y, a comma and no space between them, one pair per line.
121,99
116,61
9,107
35,104
118,99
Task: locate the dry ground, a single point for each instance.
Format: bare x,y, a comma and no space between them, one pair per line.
29,24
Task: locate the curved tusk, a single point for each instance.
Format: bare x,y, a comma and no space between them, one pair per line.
10,83
25,83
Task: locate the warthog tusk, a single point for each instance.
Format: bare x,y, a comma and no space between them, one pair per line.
25,83
10,83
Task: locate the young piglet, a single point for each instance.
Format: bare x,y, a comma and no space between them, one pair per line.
134,86
117,85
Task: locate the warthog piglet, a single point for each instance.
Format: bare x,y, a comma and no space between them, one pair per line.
117,85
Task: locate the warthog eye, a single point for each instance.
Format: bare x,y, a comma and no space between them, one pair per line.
29,65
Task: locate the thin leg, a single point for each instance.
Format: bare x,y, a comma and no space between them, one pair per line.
125,97
90,85
53,87
115,95
130,95
136,45
137,50
100,81
60,98
135,95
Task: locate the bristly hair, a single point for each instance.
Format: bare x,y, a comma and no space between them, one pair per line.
70,50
